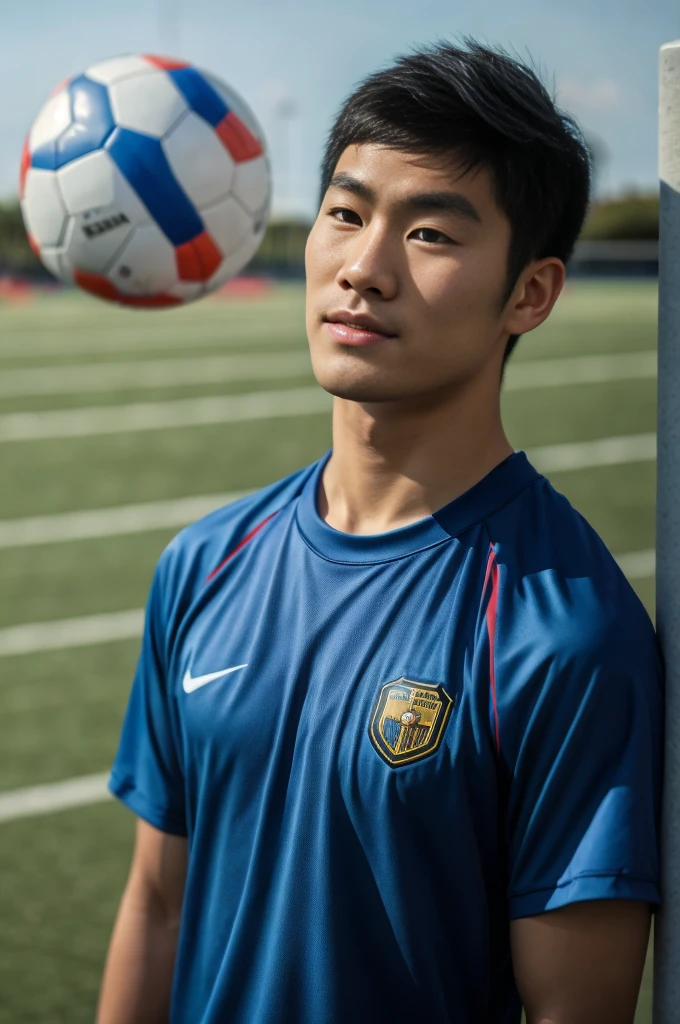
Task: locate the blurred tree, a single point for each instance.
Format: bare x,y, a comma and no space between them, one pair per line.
600,158
282,253
631,216
16,255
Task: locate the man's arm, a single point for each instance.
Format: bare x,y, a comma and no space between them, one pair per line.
141,959
583,963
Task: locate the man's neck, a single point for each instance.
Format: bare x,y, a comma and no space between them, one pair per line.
394,463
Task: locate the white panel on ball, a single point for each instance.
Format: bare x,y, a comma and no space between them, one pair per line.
109,71
51,121
232,265
187,291
251,183
91,242
94,184
53,261
43,208
227,223
199,161
146,265
151,105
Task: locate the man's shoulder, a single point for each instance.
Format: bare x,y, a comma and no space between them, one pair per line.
559,583
197,550
567,619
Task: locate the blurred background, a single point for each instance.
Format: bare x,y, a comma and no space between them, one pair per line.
88,500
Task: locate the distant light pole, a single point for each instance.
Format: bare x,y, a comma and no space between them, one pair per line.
286,109
169,26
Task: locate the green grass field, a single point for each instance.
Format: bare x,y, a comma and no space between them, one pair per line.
61,873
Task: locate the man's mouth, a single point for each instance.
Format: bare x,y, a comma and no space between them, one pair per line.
356,329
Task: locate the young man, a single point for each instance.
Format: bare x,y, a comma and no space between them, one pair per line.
394,738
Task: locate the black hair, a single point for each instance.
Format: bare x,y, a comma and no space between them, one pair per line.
486,108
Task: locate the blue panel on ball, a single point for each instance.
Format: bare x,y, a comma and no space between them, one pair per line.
92,121
200,95
45,156
143,163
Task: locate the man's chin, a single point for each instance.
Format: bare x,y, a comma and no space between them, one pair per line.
362,391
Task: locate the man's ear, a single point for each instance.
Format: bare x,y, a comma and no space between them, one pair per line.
534,295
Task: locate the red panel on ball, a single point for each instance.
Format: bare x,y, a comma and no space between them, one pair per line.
148,301
209,255
238,138
188,263
96,284
34,245
25,165
165,63
199,259
62,85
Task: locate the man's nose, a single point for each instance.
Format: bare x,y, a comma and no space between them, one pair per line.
370,264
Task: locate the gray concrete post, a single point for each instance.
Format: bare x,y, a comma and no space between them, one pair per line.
667,929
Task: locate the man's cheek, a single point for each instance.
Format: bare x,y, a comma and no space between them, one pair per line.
313,255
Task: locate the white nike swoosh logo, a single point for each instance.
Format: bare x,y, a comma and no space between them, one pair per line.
190,684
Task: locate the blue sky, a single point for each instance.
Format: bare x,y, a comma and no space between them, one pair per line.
600,56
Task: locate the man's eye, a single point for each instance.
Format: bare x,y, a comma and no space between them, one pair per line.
431,235
342,214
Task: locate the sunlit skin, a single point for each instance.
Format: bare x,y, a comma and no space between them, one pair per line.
416,422
417,413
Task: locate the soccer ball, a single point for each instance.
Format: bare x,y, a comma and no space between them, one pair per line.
145,181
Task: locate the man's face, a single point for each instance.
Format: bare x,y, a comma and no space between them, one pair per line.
421,249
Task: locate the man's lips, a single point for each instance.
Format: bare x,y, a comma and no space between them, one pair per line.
354,334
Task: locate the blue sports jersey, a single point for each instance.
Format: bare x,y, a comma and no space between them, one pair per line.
383,748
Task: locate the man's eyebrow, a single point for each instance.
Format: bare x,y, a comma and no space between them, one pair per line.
421,202
447,202
348,183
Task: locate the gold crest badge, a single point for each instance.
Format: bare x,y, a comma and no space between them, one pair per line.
409,720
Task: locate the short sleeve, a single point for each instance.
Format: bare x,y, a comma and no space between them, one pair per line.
146,774
584,745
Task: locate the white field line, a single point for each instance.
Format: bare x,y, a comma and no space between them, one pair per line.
31,801
62,341
96,629
608,451
159,373
90,630
110,522
602,369
85,631
165,373
88,524
55,796
638,565
141,416
262,405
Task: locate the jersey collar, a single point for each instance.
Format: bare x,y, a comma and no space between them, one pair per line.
491,493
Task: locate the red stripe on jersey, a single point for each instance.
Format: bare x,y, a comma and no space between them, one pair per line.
246,540
491,612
